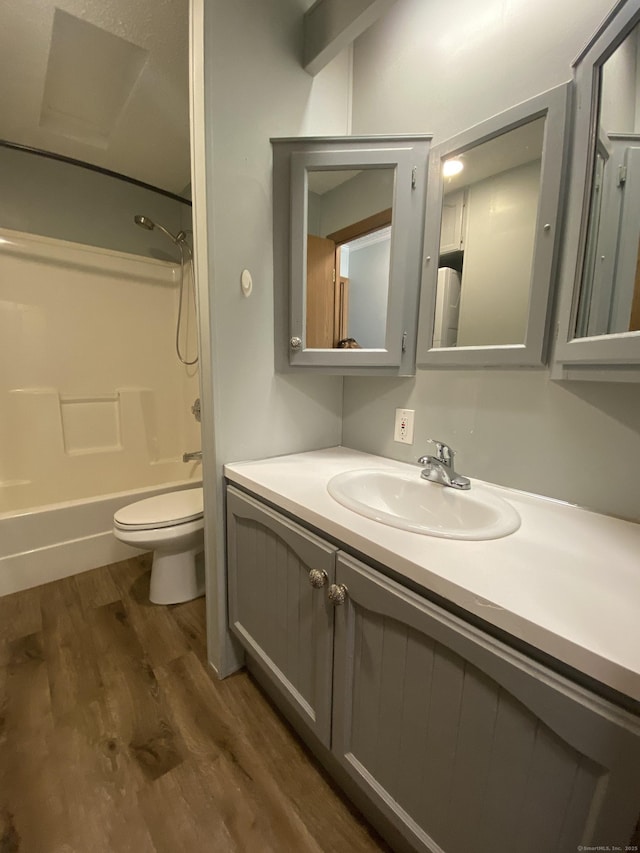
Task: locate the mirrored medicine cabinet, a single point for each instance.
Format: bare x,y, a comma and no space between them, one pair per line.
348,239
491,238
598,335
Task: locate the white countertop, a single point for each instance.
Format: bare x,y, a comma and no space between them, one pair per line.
566,582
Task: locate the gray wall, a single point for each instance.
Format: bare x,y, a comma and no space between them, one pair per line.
430,67
369,293
260,413
314,205
498,252
618,104
358,198
256,88
54,199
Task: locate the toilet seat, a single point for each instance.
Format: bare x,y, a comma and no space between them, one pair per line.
165,510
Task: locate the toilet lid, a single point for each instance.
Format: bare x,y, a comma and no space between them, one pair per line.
162,510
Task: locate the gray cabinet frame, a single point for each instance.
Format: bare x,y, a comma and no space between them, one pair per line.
612,357
532,352
291,159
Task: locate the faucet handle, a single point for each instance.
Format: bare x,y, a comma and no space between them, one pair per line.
444,453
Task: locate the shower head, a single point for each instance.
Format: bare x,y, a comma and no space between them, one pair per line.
149,224
144,222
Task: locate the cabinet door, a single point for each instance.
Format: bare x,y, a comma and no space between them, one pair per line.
466,745
281,619
452,227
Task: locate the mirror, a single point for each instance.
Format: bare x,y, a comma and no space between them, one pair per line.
599,311
349,218
610,294
494,194
487,237
348,231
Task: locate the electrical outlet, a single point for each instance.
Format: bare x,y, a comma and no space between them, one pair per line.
403,431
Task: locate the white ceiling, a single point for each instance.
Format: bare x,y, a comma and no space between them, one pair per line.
102,81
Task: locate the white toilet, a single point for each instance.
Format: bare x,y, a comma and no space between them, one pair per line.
172,526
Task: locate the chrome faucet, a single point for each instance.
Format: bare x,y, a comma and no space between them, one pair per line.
192,457
439,468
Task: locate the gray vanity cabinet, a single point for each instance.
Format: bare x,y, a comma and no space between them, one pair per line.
280,618
459,742
465,744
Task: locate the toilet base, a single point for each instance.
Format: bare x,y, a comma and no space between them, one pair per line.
176,578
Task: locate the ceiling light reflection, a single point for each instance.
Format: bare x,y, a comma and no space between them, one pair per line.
452,167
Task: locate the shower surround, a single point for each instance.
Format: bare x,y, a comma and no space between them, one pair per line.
93,401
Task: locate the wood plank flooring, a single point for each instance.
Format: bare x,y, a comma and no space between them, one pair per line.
115,736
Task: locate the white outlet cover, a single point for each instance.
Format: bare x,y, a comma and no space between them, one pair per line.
403,430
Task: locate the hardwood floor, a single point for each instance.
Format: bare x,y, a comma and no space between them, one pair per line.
114,737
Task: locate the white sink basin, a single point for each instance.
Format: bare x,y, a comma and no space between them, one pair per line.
411,503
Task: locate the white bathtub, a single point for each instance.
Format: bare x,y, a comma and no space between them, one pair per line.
51,542
94,405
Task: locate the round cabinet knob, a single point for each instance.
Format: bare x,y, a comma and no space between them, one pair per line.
337,594
317,578
295,343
